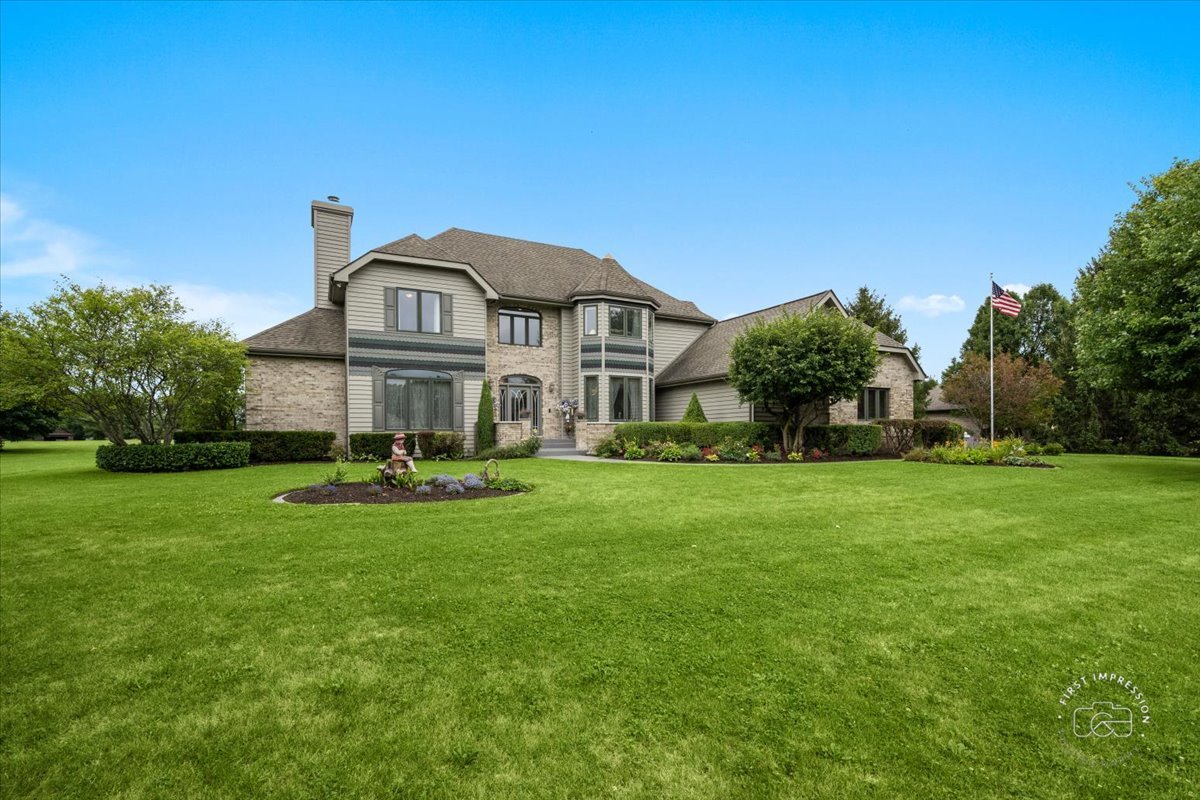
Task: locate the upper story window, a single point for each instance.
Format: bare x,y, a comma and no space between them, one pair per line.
625,321
873,404
418,311
591,320
520,327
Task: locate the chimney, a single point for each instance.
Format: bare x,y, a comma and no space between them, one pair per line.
331,244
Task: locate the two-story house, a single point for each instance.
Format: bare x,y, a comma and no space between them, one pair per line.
403,336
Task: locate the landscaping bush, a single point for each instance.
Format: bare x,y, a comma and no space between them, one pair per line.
485,423
438,445
633,452
843,440
172,457
899,435
608,447
1053,449
523,449
671,452
270,446
932,432
701,434
694,412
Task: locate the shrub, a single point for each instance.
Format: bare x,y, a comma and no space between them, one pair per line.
436,445
1053,449
608,447
932,432
899,435
671,452
853,440
472,481
795,455
694,412
772,455
509,485
270,446
523,449
816,454
653,449
633,452
453,488
338,475
485,424
172,457
916,454
731,449
689,452
1003,448
1033,449
701,434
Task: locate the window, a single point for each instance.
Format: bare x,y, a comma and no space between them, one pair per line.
418,311
625,399
520,327
873,404
591,325
591,398
417,400
521,398
623,321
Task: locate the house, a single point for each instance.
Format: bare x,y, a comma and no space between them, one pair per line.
939,408
403,336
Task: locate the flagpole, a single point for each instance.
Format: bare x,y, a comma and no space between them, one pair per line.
991,361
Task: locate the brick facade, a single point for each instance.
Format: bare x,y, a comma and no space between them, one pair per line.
287,393
589,434
895,374
543,363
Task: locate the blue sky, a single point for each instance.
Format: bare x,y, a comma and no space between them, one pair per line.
735,155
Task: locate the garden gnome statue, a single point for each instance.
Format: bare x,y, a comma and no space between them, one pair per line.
401,460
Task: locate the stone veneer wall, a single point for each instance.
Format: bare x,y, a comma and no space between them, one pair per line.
589,434
285,393
894,373
543,363
509,433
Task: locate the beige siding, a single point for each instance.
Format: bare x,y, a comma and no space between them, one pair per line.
718,399
672,337
364,296
331,250
569,355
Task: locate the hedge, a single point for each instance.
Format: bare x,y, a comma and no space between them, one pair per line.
434,444
845,440
701,434
526,448
172,457
269,446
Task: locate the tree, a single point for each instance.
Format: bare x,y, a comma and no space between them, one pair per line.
873,309
485,422
694,412
1023,391
25,421
1037,334
1138,302
921,390
796,365
125,358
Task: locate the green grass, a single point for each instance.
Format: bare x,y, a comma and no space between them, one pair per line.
879,629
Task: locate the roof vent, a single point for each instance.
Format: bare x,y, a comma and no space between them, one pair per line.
333,198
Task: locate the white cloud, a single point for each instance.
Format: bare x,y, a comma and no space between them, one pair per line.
246,313
933,305
30,246
1020,288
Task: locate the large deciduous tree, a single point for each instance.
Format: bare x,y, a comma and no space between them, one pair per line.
127,359
796,365
1024,392
1037,334
1138,302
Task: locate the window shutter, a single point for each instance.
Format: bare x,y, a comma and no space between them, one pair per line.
458,402
377,392
389,308
448,314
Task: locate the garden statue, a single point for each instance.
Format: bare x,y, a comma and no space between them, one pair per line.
399,464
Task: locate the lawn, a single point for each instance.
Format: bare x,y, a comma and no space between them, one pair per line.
878,629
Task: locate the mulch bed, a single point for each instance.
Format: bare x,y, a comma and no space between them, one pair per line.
362,493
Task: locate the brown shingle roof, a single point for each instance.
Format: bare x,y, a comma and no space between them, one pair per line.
519,268
414,246
610,278
708,357
937,402
316,332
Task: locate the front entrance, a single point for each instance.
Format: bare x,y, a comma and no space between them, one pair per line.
521,399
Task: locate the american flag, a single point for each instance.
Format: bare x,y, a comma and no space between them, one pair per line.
1003,302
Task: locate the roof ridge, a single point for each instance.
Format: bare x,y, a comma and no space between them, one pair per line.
777,305
515,239
449,256
290,319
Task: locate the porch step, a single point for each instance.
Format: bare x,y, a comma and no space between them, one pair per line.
558,447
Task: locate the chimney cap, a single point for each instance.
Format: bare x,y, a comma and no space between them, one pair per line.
333,198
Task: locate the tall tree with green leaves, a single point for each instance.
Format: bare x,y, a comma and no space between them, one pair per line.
127,359
797,365
1138,302
873,309
1024,392
485,422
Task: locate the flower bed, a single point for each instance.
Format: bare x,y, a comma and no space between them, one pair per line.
729,451
1004,453
435,489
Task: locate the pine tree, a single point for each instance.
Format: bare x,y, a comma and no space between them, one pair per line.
694,412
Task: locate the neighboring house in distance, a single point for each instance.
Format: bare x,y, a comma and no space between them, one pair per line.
403,336
939,408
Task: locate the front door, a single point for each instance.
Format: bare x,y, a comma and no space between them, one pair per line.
521,399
